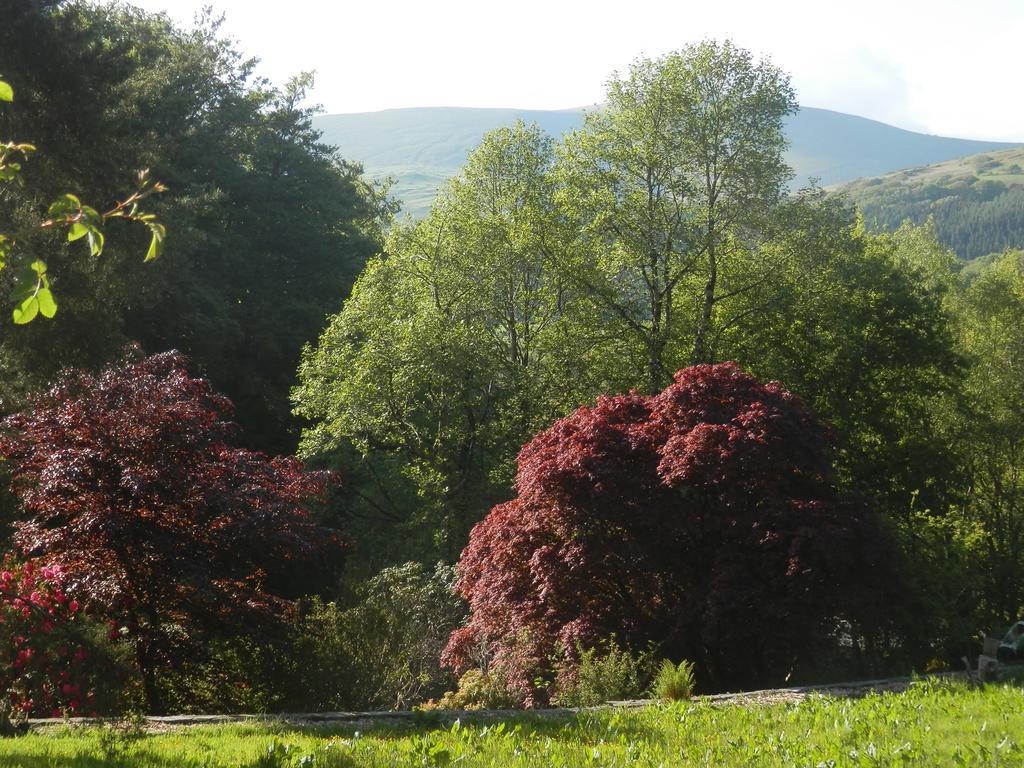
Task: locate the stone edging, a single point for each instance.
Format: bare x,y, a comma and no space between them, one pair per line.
365,719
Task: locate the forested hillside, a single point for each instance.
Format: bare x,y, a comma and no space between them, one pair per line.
422,148
975,202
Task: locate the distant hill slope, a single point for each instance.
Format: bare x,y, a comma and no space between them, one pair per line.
977,201
421,148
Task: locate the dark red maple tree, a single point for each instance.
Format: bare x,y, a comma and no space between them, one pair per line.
702,519
129,484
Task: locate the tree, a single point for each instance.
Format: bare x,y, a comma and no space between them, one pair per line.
270,225
861,327
671,188
989,427
692,519
127,482
442,361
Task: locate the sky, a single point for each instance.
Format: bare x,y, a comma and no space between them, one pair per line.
947,67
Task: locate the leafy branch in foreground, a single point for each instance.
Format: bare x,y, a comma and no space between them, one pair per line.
31,294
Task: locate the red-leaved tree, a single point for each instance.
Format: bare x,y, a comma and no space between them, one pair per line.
128,484
702,519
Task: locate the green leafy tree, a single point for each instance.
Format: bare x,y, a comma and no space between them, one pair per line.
440,362
270,226
671,189
860,325
990,430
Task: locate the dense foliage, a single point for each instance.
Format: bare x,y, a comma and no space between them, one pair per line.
268,227
32,294
441,363
57,661
692,519
529,290
545,276
128,484
975,203
381,652
988,431
707,518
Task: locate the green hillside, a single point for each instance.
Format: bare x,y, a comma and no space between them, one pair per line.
421,148
977,202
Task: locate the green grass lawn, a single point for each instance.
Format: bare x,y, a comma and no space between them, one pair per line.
931,725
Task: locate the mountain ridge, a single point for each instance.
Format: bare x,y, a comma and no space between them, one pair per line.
421,147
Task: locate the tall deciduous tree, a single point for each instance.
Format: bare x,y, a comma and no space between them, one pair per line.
990,430
128,483
269,226
440,363
861,327
671,187
695,519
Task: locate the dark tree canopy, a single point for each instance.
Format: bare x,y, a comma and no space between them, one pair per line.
702,519
267,226
128,483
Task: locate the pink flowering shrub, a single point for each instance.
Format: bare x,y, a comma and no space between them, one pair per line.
49,663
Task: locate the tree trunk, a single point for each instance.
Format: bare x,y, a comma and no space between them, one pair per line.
154,701
701,352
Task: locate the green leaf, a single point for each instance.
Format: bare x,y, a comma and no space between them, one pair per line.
6,92
78,230
95,242
156,244
47,305
65,204
25,286
26,311
39,267
92,216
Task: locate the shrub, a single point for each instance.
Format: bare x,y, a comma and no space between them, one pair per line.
692,519
603,674
477,689
381,653
674,682
231,675
54,660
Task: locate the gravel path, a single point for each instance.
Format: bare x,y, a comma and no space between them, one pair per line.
366,720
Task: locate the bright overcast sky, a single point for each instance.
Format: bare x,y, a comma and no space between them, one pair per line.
949,67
